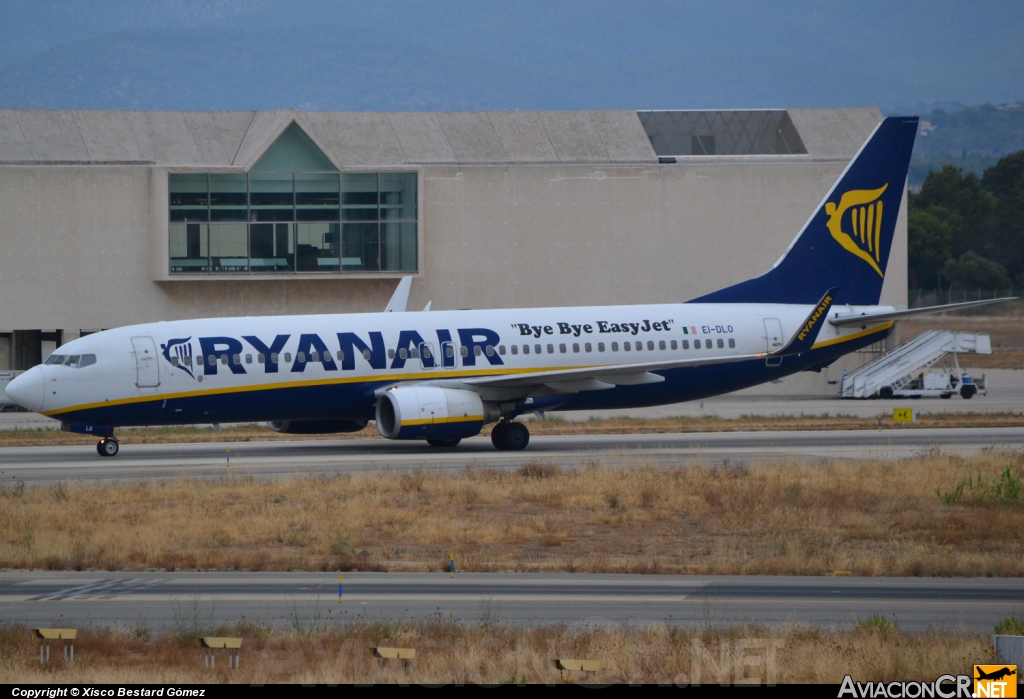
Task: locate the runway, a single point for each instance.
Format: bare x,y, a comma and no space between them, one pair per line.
37,465
162,600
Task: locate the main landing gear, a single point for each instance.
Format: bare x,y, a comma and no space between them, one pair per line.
108,446
510,436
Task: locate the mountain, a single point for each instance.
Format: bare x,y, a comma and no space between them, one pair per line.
532,54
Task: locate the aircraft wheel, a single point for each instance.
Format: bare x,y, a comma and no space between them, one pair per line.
446,443
108,447
499,435
517,436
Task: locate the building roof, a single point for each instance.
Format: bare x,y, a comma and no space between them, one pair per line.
360,140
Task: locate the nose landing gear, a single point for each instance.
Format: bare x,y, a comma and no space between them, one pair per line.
108,446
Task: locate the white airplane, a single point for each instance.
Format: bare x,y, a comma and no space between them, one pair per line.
441,376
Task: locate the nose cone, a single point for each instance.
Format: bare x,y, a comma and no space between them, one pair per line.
27,390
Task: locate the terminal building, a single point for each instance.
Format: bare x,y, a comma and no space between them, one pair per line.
110,218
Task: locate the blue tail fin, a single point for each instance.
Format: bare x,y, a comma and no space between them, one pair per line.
846,242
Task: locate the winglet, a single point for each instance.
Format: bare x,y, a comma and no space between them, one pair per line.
804,338
400,298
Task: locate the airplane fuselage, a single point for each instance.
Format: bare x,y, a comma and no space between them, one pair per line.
319,367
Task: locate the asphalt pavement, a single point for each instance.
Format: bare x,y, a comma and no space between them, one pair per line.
165,600
34,465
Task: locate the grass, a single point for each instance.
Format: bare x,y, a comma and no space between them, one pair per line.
450,653
799,518
554,426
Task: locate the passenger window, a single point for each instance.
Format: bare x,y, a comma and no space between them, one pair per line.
576,347
721,343
301,356
449,351
199,360
600,347
587,347
273,358
211,360
236,359
526,349
89,360
391,354
501,350
707,344
626,346
650,345
314,356
489,350
536,349
696,344
464,351
341,355
248,359
515,349
661,344
261,358
732,342
366,355
674,345
174,361
426,353
640,346
287,357
615,347
562,348
551,349
403,354
224,359
415,353
476,350
686,344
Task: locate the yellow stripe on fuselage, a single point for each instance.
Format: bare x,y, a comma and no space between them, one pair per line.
435,375
855,336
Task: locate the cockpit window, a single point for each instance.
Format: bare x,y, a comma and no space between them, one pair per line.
73,361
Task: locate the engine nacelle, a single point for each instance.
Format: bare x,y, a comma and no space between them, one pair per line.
428,412
316,426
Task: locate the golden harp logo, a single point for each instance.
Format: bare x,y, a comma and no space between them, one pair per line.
865,207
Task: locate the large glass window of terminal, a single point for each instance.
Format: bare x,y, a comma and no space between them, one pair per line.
293,213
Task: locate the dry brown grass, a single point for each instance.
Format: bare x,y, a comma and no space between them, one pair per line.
873,518
450,653
554,426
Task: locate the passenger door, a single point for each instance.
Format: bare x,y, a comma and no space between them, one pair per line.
427,355
147,366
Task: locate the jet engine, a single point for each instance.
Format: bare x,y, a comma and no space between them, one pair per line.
428,412
316,426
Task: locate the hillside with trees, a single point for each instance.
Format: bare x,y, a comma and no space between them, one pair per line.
966,233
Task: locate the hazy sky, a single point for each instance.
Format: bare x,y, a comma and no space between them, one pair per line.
534,54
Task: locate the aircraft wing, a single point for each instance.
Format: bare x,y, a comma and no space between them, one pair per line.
868,318
592,378
609,375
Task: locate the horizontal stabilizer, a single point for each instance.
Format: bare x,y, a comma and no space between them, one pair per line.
867,318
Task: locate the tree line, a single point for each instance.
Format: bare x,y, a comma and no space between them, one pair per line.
966,232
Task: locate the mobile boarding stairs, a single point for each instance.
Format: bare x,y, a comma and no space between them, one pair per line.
904,372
